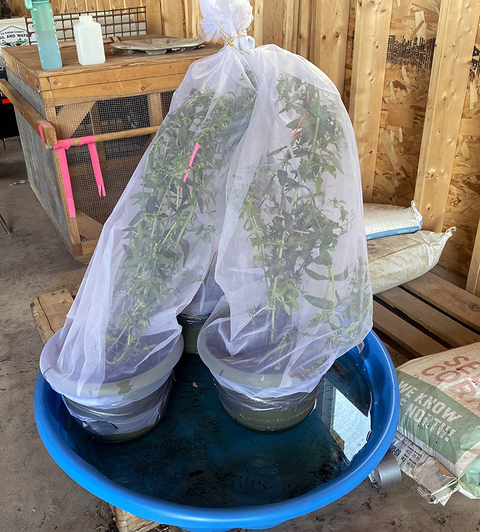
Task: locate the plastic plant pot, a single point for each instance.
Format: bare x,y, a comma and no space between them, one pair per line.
191,325
55,430
119,411
266,415
125,422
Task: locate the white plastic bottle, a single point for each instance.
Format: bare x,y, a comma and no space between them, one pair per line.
89,41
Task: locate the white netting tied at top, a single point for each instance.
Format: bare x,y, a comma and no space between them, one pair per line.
253,176
292,258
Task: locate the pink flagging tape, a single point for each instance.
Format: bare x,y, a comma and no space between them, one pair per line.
97,172
63,145
301,120
197,147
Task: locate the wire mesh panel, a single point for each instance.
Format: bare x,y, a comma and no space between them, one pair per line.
119,156
114,22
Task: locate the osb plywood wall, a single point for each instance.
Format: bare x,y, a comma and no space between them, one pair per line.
411,43
385,48
463,206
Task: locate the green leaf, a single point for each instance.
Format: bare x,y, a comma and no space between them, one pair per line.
337,165
294,123
136,218
277,151
291,182
282,177
341,276
319,302
315,275
184,244
323,257
163,260
150,205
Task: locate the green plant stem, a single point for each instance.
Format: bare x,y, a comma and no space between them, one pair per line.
330,271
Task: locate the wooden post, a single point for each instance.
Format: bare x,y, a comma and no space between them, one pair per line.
473,279
173,14
272,27
258,22
154,17
368,76
290,25
304,28
457,28
329,39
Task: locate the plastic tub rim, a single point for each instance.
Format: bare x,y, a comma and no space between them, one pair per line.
223,519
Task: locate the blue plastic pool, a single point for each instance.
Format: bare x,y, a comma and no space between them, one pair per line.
200,471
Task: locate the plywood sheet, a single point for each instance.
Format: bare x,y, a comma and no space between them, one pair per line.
410,52
463,205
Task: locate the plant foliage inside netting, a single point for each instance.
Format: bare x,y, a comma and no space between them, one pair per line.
253,178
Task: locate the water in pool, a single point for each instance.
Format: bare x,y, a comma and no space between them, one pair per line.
198,456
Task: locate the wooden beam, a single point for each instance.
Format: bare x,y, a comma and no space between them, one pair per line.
70,116
117,75
372,28
273,15
258,22
88,227
457,28
117,89
154,17
473,279
329,39
305,27
410,338
290,25
173,15
31,115
125,134
456,302
442,326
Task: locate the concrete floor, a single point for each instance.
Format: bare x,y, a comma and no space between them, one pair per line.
35,494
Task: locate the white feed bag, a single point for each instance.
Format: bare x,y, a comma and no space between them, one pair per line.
394,260
388,220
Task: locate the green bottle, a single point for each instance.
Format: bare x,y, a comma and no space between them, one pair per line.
45,32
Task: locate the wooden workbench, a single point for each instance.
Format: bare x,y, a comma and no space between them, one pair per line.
121,102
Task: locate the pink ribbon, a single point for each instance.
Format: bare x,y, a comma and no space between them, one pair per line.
61,147
295,132
97,172
197,147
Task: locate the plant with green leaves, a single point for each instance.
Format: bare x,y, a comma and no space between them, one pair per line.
176,203
294,226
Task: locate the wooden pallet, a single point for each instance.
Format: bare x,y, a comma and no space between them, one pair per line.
426,316
422,317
